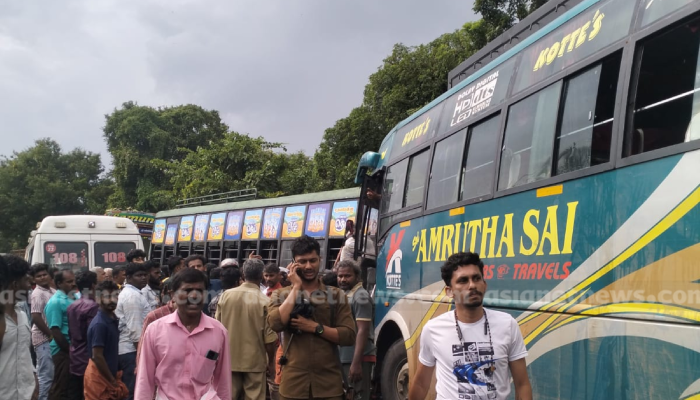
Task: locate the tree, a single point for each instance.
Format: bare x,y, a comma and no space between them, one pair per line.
137,136
237,162
43,181
408,79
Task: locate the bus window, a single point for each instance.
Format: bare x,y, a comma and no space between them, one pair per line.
666,106
111,254
585,129
66,255
415,181
444,174
392,193
479,166
529,140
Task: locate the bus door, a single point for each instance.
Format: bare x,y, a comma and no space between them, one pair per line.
366,227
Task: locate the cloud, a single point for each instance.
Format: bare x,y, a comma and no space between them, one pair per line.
282,69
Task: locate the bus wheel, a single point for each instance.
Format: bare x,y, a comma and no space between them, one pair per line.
394,379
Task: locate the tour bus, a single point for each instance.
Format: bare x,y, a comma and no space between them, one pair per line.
567,154
83,241
264,226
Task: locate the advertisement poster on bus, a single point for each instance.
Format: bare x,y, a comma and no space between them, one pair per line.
158,231
293,222
233,225
271,223
343,211
200,227
216,226
317,220
251,224
185,233
170,235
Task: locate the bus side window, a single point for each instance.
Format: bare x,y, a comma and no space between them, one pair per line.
415,180
585,130
392,193
479,165
526,156
666,106
444,174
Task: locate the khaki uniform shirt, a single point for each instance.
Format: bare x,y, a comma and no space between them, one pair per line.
313,365
243,311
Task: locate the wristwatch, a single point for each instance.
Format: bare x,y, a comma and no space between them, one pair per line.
319,330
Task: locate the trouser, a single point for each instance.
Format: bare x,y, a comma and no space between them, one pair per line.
361,388
44,369
61,385
127,364
248,385
76,387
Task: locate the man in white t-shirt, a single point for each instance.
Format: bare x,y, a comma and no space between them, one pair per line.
476,356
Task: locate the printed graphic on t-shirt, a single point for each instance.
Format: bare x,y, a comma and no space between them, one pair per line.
472,363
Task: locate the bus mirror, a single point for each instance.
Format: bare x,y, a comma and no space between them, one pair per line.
369,161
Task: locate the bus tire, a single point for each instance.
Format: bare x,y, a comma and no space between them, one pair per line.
394,379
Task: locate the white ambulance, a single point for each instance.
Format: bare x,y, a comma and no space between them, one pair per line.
83,241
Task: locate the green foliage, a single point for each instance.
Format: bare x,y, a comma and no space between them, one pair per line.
138,137
43,181
409,78
238,162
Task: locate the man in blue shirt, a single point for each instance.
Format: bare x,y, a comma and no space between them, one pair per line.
57,320
102,376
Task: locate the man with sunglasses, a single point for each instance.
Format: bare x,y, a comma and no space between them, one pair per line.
311,316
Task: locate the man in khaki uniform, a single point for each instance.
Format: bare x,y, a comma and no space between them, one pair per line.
312,369
243,311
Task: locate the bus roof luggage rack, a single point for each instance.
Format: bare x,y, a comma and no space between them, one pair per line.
547,13
227,197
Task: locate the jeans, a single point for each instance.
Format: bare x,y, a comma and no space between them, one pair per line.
127,364
44,369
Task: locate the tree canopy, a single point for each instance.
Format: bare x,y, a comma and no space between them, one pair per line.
43,180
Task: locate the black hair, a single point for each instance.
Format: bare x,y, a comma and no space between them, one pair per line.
38,267
135,253
59,276
85,280
459,260
330,279
165,271
133,268
352,265
195,257
151,264
117,270
12,269
188,275
210,267
107,286
215,273
305,245
173,262
230,278
271,269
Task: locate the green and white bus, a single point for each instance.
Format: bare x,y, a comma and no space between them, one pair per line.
264,226
566,154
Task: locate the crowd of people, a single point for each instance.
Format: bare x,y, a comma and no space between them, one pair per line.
186,330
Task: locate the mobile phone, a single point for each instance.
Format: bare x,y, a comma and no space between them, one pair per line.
299,272
212,355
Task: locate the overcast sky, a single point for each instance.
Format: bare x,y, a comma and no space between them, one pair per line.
282,69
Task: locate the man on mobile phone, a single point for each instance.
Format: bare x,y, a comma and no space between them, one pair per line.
312,316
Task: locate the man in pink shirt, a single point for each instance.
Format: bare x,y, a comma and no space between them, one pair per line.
185,354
